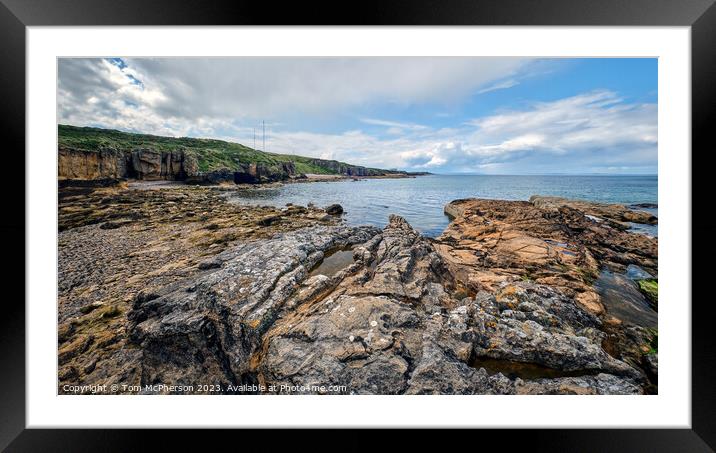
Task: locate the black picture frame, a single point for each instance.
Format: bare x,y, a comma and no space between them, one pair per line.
16,15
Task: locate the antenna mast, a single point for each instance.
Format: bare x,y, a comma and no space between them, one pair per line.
263,125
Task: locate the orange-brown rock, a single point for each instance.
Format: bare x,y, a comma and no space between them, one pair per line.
610,211
109,163
80,164
493,241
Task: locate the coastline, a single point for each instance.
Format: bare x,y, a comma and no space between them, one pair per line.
127,252
225,185
329,178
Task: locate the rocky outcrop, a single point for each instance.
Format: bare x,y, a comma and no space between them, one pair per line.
87,153
117,241
249,173
493,244
395,321
260,173
334,209
267,300
172,165
149,164
400,326
490,242
181,165
208,328
108,163
610,211
214,177
350,170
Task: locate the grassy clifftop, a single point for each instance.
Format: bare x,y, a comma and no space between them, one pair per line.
211,154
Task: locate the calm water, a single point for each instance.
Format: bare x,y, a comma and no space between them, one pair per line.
421,200
622,299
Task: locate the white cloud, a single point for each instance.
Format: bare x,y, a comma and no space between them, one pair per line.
394,124
223,98
591,130
596,128
195,96
271,87
595,120
509,83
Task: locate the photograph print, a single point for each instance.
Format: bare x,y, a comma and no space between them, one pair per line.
357,226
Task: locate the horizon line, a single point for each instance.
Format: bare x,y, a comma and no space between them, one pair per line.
539,174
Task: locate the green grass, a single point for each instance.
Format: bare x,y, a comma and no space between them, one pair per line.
650,288
654,342
211,154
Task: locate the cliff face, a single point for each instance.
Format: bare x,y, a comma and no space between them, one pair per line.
111,163
249,173
179,165
93,155
149,164
172,165
80,164
257,173
349,170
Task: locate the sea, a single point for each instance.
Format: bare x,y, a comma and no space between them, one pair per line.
421,200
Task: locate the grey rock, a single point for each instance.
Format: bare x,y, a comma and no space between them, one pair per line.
555,332
652,361
386,329
386,324
209,327
334,209
601,384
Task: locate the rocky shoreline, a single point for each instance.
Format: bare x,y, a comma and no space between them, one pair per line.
177,286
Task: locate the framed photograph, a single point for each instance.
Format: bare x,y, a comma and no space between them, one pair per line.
445,217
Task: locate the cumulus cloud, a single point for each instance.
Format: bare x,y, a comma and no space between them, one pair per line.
597,119
587,130
226,97
229,88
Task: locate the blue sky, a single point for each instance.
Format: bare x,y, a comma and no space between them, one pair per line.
444,115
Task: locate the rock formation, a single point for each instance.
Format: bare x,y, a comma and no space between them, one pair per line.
610,211
350,170
171,165
502,303
149,164
180,165
334,209
105,163
396,321
260,173
103,155
494,241
209,328
108,163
